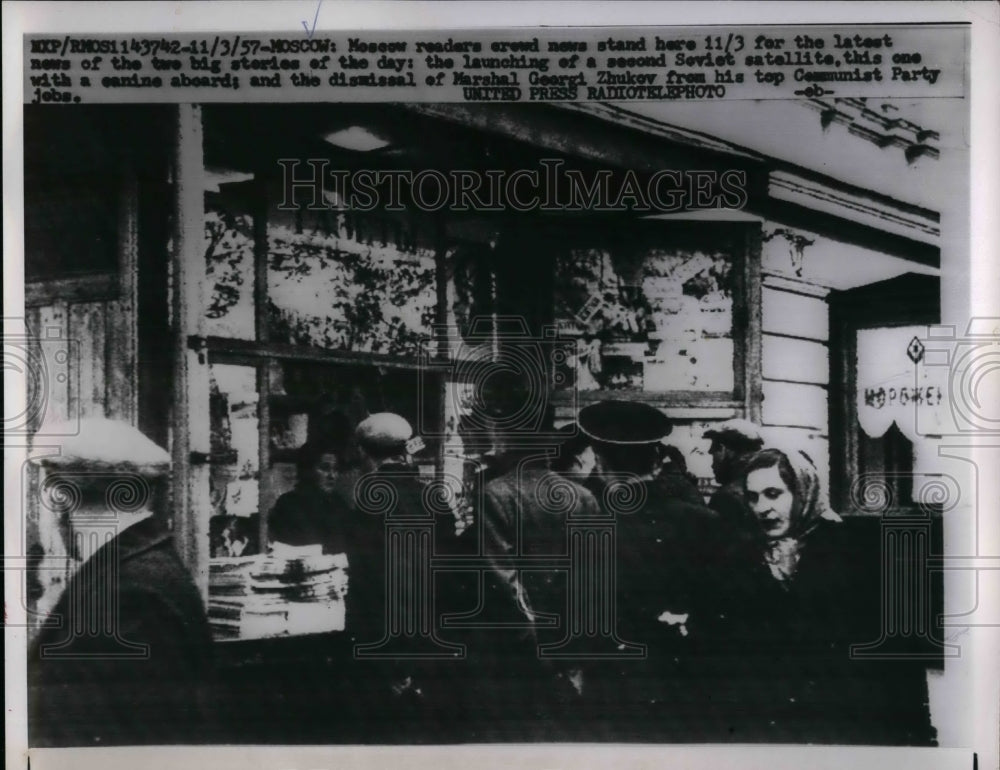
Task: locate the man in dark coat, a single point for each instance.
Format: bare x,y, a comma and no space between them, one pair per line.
125,656
732,443
672,558
525,519
675,478
390,598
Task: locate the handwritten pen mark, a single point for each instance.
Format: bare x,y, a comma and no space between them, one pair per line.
310,31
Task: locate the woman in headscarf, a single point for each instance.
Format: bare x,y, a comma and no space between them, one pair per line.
783,492
812,599
313,513
791,591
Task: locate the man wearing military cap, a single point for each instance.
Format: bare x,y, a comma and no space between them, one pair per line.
126,655
733,442
672,557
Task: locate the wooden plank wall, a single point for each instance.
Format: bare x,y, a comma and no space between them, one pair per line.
99,379
88,344
795,366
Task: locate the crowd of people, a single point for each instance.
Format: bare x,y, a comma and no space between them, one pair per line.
597,596
730,619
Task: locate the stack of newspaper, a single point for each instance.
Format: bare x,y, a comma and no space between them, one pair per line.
285,593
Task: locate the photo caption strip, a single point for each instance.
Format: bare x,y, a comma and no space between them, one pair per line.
541,65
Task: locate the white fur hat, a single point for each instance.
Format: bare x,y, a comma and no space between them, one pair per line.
97,443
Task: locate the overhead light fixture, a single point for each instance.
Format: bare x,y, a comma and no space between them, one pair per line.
357,139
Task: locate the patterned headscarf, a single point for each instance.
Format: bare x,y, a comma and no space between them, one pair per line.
809,508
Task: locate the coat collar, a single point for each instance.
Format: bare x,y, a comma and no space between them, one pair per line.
140,537
131,542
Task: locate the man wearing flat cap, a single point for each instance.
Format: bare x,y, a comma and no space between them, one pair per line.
125,655
672,558
389,599
733,442
388,486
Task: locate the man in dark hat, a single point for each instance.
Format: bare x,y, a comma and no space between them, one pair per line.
732,444
672,557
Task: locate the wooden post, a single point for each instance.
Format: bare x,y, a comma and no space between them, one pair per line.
121,397
752,392
190,426
259,204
